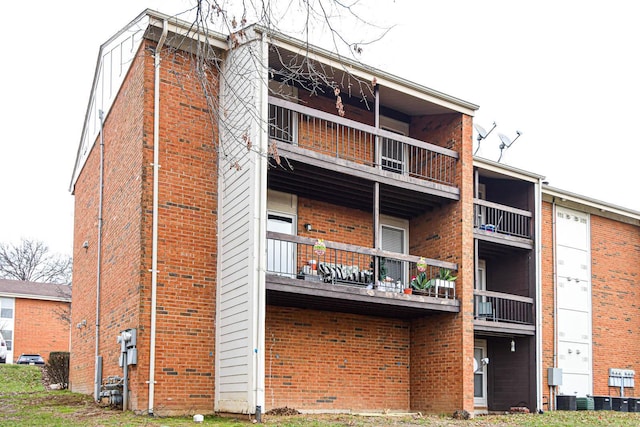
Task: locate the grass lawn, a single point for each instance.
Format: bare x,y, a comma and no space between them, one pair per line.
24,401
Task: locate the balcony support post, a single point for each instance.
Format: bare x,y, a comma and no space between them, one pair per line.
378,146
376,226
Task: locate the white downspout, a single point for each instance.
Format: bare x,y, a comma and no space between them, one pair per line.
154,238
98,365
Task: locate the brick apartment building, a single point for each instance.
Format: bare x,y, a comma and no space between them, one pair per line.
34,318
259,243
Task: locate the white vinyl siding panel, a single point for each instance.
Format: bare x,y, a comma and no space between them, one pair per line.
240,193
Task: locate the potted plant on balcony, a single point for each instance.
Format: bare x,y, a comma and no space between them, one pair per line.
444,280
420,283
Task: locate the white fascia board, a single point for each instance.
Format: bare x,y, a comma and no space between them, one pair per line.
36,297
507,170
367,73
186,29
550,192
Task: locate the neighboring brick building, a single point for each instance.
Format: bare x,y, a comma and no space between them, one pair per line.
591,269
34,317
259,243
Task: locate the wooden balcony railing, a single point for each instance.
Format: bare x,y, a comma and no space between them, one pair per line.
496,218
501,307
350,265
357,142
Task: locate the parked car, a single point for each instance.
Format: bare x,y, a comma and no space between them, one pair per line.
30,359
3,350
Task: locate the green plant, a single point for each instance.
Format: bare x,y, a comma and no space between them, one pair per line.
382,269
420,282
445,274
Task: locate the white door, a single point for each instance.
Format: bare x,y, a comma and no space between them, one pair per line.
480,374
484,309
281,255
393,240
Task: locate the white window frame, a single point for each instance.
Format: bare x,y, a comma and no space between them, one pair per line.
397,224
401,128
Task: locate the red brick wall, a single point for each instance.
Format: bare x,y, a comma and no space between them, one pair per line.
615,272
335,223
38,328
446,233
186,243
187,253
615,281
548,308
437,377
120,266
331,361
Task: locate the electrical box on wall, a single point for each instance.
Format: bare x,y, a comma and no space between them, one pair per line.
554,376
128,350
621,377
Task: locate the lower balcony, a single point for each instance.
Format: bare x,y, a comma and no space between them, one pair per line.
503,313
354,279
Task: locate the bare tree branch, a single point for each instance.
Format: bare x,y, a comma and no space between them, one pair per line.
31,261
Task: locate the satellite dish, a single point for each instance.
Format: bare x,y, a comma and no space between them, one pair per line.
482,134
506,142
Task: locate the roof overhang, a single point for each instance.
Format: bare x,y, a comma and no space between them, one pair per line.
505,171
397,93
589,205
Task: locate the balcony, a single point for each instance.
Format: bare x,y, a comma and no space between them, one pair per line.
505,313
343,278
312,140
498,223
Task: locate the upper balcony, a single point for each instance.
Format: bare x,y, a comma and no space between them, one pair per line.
354,279
498,223
320,147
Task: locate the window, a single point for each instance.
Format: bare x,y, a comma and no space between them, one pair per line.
394,153
6,308
8,338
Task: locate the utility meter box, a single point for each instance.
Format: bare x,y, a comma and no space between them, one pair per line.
128,350
554,376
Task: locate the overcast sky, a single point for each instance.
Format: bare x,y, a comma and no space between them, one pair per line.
564,73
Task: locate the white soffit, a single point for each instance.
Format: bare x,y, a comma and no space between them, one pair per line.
368,73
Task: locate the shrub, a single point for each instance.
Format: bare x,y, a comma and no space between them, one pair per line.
57,369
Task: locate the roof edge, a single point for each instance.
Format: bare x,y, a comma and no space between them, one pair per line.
290,42
599,205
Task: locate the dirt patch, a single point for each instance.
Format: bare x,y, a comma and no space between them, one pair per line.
283,411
